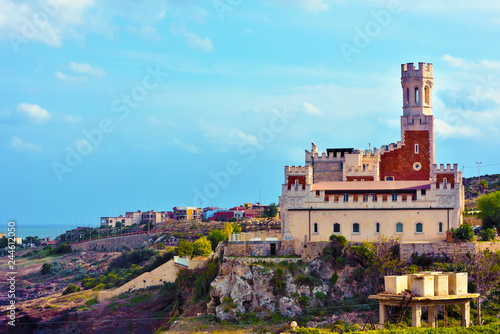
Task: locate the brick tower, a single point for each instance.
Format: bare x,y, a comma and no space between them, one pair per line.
413,157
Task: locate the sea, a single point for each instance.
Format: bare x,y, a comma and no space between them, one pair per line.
37,230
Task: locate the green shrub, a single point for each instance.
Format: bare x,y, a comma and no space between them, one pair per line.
487,234
137,256
303,300
46,268
99,287
335,250
333,279
70,289
463,233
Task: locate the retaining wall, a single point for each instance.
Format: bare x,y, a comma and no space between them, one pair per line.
112,244
456,251
164,273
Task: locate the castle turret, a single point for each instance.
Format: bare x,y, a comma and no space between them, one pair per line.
417,89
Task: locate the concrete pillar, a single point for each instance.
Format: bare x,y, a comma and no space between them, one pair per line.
416,314
432,315
465,312
382,313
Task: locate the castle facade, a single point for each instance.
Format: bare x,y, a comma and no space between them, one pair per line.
395,191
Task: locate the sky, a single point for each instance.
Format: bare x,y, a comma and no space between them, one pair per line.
116,106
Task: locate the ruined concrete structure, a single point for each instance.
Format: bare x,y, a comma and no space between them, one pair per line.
395,191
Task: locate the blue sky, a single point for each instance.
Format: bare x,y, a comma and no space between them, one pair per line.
110,106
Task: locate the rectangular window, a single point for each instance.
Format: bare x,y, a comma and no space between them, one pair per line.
394,197
423,192
346,197
416,148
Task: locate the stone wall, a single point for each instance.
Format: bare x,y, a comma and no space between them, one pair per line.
164,273
311,250
456,251
112,244
250,260
251,248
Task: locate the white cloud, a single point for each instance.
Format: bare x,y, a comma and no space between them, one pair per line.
454,61
82,68
69,78
146,32
446,130
311,109
34,112
71,119
185,146
197,42
20,145
243,136
470,65
48,22
309,5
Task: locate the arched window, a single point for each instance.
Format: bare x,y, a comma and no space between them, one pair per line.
426,93
440,227
336,228
315,227
377,228
355,228
419,228
399,228
416,95
407,95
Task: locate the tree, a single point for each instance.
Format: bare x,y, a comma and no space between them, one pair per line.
216,236
185,248
484,272
271,211
202,247
489,206
482,186
236,228
228,229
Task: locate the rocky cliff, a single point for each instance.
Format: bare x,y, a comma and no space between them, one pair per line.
286,286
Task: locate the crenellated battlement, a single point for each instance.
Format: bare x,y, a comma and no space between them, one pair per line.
443,169
391,147
409,70
298,170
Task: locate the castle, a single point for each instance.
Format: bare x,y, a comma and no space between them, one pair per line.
395,191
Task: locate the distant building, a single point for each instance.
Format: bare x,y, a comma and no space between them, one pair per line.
111,221
133,217
187,213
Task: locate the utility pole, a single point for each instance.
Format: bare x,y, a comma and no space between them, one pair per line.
479,178
260,199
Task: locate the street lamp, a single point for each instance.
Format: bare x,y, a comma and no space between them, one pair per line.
260,199
478,178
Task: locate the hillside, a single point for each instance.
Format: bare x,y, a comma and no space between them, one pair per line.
472,189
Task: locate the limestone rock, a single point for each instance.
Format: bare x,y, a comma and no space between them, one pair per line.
289,307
